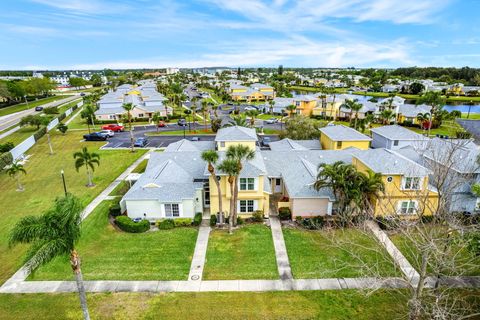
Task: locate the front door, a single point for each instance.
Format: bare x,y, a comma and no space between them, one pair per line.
278,185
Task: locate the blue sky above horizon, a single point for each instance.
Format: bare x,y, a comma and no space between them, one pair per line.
97,34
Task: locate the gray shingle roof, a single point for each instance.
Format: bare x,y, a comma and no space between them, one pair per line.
343,133
411,110
289,144
236,133
390,162
396,132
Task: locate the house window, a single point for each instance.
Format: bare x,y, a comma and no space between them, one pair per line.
297,103
339,144
412,183
140,115
395,142
172,210
247,206
278,182
247,183
222,144
408,207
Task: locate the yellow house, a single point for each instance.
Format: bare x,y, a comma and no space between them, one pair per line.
255,92
339,137
305,104
235,135
407,190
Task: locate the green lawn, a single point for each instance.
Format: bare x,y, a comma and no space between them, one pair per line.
414,96
248,253
121,189
109,254
19,136
32,104
335,254
141,167
43,183
448,128
266,116
465,263
473,116
331,305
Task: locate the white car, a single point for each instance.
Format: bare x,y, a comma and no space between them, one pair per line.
271,121
109,133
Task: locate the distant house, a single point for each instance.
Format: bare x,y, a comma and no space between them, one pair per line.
409,112
340,137
395,137
254,92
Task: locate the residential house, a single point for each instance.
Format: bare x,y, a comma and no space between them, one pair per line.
254,92
394,137
339,137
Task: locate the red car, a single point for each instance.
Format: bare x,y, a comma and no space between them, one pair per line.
161,124
114,127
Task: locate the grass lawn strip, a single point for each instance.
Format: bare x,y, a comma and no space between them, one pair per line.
346,253
248,253
30,105
109,254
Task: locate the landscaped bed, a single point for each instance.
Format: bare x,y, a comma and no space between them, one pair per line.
337,253
248,253
110,254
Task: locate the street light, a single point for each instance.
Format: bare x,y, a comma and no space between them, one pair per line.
184,131
64,184
469,107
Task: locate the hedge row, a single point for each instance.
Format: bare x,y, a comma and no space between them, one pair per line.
5,160
127,225
40,133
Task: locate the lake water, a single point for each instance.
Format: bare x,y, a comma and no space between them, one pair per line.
461,106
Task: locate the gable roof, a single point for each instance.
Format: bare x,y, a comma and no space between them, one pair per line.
343,133
396,132
236,133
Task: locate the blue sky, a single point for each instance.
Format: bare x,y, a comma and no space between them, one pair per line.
95,34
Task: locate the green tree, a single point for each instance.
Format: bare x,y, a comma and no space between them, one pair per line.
34,120
96,80
291,110
54,233
386,116
88,160
230,168
416,88
204,113
425,120
128,107
271,104
353,106
211,157
253,114
88,113
156,117
436,102
62,128
14,171
302,128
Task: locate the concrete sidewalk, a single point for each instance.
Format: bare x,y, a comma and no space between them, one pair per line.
283,264
198,260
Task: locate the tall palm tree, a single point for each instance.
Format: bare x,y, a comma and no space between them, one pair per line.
271,103
129,107
14,171
230,168
89,160
55,233
291,109
386,116
204,113
156,119
215,108
425,120
353,106
239,153
371,186
88,113
211,157
193,107
252,114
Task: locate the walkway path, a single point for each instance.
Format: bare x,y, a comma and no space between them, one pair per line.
198,260
407,269
283,264
22,273
74,116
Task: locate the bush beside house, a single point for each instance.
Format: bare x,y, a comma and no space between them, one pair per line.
128,225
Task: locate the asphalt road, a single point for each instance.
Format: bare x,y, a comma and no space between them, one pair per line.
13,119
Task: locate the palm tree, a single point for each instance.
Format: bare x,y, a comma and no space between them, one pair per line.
424,119
211,157
238,121
230,167
291,109
89,160
204,113
239,153
129,107
188,112
386,116
215,108
156,119
193,107
14,171
88,113
53,234
271,103
353,106
371,186
252,114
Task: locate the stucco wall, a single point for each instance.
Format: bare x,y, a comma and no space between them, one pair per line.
308,207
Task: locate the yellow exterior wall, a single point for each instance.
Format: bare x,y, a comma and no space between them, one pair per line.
259,195
250,144
388,203
306,107
329,144
332,109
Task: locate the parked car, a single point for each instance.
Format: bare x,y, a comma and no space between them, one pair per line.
271,121
161,124
141,142
266,141
82,94
95,136
195,139
182,122
109,133
250,108
38,108
114,127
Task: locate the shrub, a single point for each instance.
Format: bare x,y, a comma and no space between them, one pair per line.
387,223
6,159
313,223
7,146
299,219
257,216
165,224
182,222
50,110
115,210
197,219
62,116
463,135
427,219
213,220
40,133
127,225
240,221
473,239
284,213
62,128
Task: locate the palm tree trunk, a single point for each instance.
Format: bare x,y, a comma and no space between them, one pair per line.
232,206
75,262
90,183
19,185
220,204
131,132
49,143
235,198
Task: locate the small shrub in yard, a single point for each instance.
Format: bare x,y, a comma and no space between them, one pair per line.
115,210
62,128
257,216
6,159
165,224
313,223
7,146
51,110
240,221
127,225
40,133
182,222
198,219
213,220
284,213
